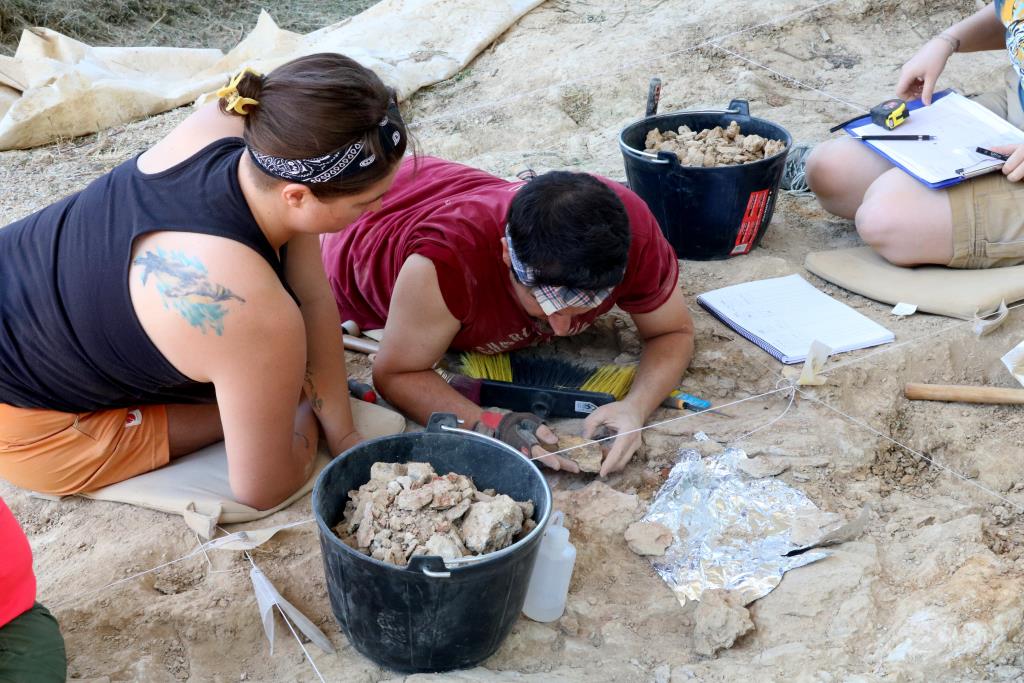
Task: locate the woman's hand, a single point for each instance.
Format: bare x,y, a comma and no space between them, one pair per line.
1013,168
919,74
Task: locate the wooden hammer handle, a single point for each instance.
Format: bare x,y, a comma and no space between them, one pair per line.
965,394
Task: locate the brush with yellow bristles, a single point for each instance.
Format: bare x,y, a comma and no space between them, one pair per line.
611,379
549,387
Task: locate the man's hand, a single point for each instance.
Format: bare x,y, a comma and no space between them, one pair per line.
618,418
526,433
1013,168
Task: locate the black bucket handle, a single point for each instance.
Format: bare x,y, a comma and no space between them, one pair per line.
438,421
741,107
448,422
434,566
429,565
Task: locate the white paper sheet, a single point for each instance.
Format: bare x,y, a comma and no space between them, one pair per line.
959,125
784,315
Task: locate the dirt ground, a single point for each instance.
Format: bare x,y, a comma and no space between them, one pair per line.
930,592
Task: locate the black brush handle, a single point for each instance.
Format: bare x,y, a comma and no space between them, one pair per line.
544,402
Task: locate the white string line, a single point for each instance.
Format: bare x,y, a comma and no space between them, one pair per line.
79,596
712,42
916,453
299,640
202,548
792,398
885,349
287,621
783,76
663,422
891,347
888,347
495,104
211,570
211,544
791,386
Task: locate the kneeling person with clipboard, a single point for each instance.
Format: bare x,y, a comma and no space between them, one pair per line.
940,201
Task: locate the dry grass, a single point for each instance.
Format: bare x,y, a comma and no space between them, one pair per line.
179,23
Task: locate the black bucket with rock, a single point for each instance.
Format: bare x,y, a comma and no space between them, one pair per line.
709,177
433,614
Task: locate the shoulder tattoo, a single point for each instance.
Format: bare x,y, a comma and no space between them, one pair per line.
183,284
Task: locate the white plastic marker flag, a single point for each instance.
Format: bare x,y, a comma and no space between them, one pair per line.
267,596
817,356
250,538
1014,362
987,324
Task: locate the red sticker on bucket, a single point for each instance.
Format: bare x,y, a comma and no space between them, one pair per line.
757,204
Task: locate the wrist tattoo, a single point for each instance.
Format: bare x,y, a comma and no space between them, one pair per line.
314,398
954,43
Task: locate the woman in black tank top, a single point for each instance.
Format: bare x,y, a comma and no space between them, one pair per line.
180,299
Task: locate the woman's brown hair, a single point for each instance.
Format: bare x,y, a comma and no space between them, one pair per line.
316,105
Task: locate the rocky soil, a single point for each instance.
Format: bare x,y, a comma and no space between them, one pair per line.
408,509
711,147
930,592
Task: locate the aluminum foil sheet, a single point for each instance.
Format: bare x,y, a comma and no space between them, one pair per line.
731,531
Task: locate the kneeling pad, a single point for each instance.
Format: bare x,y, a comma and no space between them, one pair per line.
196,486
953,292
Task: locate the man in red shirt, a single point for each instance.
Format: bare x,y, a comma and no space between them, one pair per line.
31,647
459,259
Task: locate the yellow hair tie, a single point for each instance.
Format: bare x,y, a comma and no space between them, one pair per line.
229,92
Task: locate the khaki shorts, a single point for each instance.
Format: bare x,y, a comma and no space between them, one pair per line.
63,453
988,211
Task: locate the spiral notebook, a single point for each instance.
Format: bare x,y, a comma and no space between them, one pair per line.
959,125
784,315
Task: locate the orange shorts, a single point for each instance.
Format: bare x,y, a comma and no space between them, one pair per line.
63,453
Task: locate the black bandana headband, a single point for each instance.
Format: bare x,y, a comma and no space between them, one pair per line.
345,162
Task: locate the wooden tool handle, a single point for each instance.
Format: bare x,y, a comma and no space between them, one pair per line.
965,394
359,344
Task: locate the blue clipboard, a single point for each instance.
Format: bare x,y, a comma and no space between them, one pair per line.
964,174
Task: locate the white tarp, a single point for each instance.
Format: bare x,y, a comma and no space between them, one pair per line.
58,87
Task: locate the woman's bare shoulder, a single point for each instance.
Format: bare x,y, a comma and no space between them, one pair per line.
199,297
207,124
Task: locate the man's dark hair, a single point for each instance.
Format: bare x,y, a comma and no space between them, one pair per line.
571,229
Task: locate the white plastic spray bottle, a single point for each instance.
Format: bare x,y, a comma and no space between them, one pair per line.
549,583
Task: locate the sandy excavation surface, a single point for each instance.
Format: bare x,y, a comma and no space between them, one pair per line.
931,591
